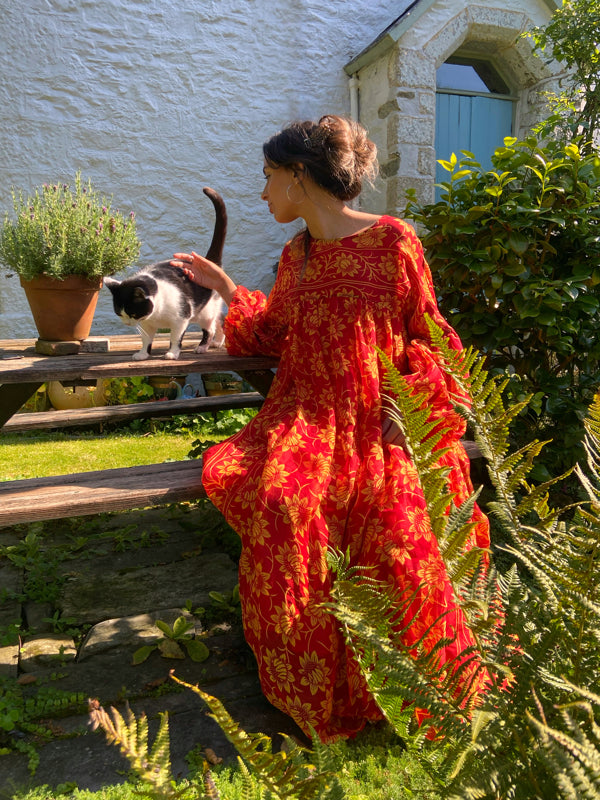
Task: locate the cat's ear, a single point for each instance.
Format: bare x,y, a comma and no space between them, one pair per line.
139,294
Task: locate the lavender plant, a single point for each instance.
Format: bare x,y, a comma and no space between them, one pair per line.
60,230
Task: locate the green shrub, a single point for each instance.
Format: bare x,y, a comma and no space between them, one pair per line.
515,254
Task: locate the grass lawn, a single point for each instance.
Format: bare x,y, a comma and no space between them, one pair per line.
34,456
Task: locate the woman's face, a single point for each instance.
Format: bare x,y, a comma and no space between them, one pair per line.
280,186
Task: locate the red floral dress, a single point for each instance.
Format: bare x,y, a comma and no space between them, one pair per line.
311,469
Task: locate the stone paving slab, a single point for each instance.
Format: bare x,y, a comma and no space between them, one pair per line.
92,596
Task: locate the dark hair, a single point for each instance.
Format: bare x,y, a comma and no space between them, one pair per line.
335,152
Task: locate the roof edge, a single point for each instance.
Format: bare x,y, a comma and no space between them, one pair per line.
390,36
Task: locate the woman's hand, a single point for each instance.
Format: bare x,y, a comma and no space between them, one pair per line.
392,433
205,273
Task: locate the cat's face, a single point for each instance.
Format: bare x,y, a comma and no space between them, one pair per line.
132,301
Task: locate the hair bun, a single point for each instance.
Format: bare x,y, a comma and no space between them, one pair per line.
352,154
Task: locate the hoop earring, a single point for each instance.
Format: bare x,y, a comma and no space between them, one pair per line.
287,193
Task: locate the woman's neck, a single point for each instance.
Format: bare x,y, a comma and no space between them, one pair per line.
336,222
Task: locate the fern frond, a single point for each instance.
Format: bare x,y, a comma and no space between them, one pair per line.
131,737
450,525
283,774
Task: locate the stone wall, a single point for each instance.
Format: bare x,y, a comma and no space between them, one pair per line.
153,100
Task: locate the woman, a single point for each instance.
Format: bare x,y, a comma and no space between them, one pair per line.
320,465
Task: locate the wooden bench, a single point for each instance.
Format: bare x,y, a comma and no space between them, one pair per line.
83,493
71,418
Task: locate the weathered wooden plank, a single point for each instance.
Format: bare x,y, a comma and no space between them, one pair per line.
102,490
30,369
72,418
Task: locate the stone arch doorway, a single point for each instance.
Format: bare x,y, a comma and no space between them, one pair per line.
397,87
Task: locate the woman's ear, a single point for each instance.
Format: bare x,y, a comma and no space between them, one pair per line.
298,171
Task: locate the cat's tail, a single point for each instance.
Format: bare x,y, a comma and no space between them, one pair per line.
215,251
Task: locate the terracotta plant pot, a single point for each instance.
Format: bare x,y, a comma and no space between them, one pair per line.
62,310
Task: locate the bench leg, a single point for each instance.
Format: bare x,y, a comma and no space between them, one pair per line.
12,397
260,379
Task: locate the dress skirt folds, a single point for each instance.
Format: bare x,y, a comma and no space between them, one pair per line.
311,470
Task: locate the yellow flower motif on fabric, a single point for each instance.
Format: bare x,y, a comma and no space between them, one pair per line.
316,467
347,265
274,475
314,672
318,314
408,475
292,441
252,622
259,529
337,328
420,524
259,580
371,238
319,617
389,267
396,549
279,669
246,564
286,621
248,499
370,367
229,466
320,370
341,365
317,561
289,558
340,490
399,346
302,713
298,511
432,571
328,437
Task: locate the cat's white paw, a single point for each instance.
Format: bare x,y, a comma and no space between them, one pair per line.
202,348
141,355
171,355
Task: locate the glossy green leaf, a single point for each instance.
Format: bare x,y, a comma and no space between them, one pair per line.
142,654
197,650
518,242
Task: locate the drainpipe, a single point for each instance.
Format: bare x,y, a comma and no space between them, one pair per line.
353,84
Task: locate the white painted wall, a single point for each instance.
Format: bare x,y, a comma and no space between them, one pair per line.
153,99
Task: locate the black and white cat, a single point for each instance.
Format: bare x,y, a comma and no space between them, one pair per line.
161,296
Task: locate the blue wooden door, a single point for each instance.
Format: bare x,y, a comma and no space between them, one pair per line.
475,123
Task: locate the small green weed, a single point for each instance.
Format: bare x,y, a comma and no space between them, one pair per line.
21,713
172,644
42,583
214,428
